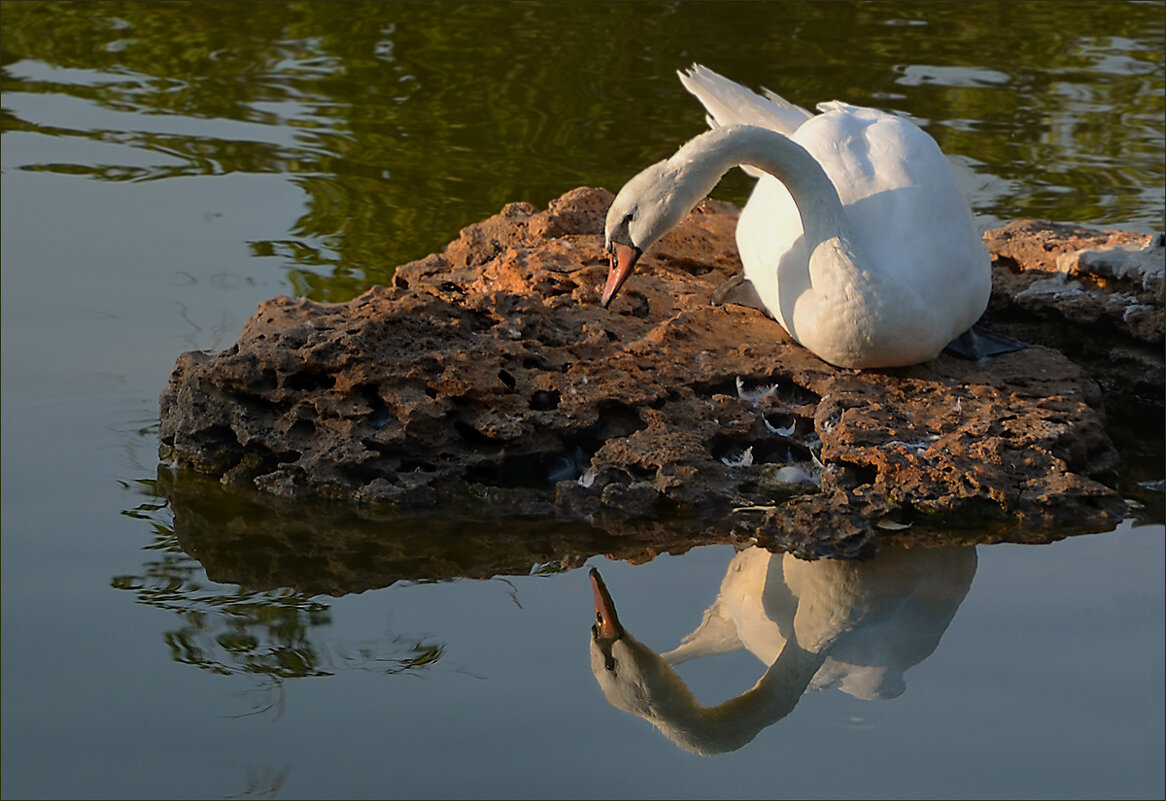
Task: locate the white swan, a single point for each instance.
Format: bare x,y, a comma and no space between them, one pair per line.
856,238
857,626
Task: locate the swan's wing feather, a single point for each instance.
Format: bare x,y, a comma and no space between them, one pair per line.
782,103
729,103
716,634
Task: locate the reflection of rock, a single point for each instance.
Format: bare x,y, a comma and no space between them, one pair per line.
853,625
488,375
316,548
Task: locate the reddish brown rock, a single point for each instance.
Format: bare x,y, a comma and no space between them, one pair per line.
1096,295
487,382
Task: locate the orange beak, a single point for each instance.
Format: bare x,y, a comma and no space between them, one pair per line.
606,623
623,259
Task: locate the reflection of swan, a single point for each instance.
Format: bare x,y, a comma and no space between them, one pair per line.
856,239
854,625
637,679
876,618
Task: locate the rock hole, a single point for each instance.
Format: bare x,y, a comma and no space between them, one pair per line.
380,416
1008,263
379,447
781,424
899,518
507,379
664,400
544,400
303,428
267,381
638,472
472,436
766,451
855,475
724,386
615,420
481,321
567,467
787,392
529,470
310,380
360,474
431,391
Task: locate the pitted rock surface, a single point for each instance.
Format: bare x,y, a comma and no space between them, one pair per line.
487,382
1095,295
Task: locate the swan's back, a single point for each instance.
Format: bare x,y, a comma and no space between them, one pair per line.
901,197
906,210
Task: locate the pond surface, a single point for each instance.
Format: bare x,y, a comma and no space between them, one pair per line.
168,166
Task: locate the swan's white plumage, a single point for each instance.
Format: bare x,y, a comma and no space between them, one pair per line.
908,273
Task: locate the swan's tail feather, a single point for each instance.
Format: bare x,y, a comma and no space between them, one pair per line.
729,103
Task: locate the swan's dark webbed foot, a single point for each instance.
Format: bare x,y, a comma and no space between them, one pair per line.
739,291
979,343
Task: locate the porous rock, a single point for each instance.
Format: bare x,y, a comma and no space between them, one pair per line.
1095,295
487,382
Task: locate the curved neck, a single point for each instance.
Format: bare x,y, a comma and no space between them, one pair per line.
728,726
704,160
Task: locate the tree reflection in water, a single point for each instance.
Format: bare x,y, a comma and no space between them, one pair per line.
263,633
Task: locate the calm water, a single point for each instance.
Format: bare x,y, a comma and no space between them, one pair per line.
168,166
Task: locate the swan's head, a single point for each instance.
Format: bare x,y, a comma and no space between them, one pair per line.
652,203
606,630
644,210
636,679
632,676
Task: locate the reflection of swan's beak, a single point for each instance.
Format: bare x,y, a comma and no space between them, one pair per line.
623,259
607,625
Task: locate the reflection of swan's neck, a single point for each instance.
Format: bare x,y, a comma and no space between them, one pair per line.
638,680
703,160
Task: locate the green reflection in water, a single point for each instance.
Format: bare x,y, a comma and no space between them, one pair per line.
403,122
269,635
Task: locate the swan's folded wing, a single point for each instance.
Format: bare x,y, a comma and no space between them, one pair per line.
717,634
